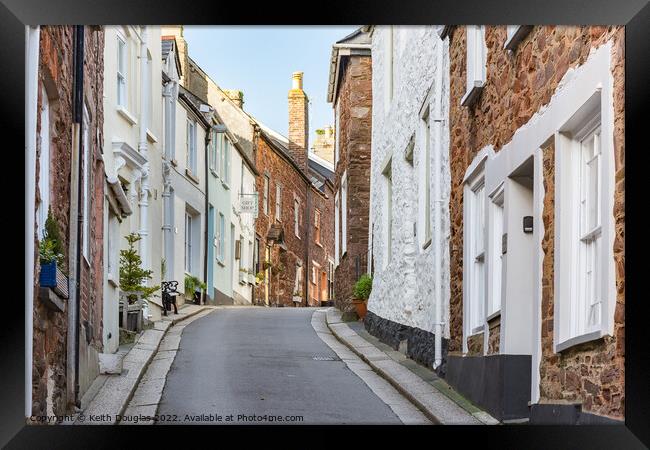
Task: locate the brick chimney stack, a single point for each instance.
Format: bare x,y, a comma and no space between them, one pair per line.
236,96
298,122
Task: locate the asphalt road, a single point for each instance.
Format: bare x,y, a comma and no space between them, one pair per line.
259,362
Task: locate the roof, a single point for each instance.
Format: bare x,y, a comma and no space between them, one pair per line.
195,104
355,43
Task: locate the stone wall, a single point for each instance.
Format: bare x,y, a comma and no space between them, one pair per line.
280,170
355,99
518,85
403,288
56,72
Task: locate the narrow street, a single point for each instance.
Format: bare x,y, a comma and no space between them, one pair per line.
264,361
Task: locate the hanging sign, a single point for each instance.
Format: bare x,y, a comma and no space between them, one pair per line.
248,204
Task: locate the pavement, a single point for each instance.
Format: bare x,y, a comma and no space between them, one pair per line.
254,365
438,401
109,395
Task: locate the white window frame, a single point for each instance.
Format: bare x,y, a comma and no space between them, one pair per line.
344,213
317,225
122,72
265,194
337,125
574,242
476,63
44,163
278,202
221,248
336,227
496,266
191,159
476,262
226,175
213,151
86,184
188,242
296,218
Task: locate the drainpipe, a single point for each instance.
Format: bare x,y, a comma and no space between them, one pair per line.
143,149
78,115
32,39
166,195
208,135
436,211
308,242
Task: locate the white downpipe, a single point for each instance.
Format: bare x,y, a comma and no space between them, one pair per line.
32,39
436,210
143,148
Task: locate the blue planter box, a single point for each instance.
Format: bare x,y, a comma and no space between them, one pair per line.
48,275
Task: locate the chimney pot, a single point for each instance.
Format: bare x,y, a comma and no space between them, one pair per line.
297,80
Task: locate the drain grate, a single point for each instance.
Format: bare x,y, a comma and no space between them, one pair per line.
325,358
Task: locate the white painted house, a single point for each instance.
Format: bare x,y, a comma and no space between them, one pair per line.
132,152
410,184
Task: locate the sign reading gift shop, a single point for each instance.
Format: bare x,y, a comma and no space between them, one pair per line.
248,204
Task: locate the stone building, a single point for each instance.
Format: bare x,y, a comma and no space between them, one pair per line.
64,146
537,211
350,91
323,146
409,188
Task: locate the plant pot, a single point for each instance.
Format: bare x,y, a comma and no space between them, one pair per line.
48,275
360,307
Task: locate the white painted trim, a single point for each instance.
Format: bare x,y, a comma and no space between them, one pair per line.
133,158
130,118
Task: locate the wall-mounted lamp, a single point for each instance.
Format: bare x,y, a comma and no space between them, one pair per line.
528,224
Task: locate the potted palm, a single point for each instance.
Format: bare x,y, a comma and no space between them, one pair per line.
361,293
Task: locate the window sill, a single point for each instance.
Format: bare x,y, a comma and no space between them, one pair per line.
519,35
191,176
494,315
220,262
225,185
174,162
151,137
426,244
122,111
475,331
112,281
571,342
214,173
473,93
319,244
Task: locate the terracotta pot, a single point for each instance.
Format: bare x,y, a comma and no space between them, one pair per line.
361,307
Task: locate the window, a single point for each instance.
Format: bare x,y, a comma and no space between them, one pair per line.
498,251
121,71
476,63
425,180
476,260
222,237
330,279
44,165
583,253
337,125
336,228
344,213
388,212
296,217
188,243
317,226
86,184
213,150
278,202
265,194
297,287
225,173
191,146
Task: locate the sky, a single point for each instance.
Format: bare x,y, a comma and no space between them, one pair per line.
259,61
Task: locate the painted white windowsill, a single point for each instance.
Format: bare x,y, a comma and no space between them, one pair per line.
122,111
111,280
472,93
151,137
568,343
495,314
513,41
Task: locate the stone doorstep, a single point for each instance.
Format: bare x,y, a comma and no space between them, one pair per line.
436,405
117,391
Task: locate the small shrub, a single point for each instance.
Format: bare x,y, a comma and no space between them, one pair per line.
363,287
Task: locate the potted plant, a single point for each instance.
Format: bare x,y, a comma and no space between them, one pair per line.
194,285
50,251
362,290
